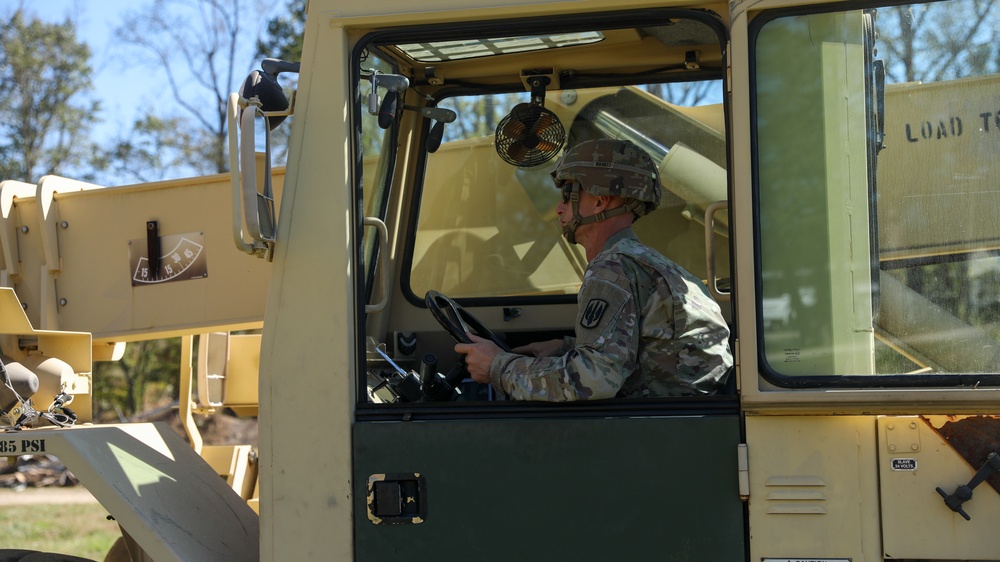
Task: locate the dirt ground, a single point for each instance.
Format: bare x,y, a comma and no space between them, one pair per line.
43,496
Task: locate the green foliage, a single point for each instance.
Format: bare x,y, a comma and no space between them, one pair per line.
283,39
155,148
146,377
44,112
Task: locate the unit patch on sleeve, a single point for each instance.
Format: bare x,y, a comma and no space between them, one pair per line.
593,313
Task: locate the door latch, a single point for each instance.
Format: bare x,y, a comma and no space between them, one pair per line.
396,499
963,493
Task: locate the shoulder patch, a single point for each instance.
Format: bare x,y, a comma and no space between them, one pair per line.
599,311
593,312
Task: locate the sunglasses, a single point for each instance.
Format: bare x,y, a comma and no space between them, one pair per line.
567,192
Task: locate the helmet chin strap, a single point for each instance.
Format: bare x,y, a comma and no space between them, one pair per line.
569,229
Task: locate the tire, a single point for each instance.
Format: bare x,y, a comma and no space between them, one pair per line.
11,555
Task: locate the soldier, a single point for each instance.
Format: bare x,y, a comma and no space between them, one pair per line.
645,326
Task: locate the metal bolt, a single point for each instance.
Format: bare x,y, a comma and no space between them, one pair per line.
892,447
24,229
914,447
913,425
64,224
62,302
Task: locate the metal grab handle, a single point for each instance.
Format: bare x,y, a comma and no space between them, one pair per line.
383,241
964,493
710,269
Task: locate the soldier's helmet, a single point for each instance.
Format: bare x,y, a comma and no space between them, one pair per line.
612,167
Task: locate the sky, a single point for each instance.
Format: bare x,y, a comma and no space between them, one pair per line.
125,90
122,89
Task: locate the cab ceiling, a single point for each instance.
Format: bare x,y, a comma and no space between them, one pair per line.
622,51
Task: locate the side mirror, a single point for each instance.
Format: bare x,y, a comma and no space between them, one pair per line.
253,209
263,85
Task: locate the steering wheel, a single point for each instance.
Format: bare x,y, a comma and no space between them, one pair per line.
457,321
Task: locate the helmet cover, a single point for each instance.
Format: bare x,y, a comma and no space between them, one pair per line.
612,167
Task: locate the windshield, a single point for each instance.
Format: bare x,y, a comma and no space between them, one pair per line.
489,229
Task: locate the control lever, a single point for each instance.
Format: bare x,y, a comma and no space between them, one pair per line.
964,493
424,386
435,386
406,387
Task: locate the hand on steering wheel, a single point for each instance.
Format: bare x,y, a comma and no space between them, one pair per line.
457,321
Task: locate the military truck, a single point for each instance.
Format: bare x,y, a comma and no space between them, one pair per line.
830,173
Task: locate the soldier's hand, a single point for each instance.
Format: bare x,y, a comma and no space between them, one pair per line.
478,356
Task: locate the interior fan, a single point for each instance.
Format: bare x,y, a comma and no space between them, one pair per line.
530,134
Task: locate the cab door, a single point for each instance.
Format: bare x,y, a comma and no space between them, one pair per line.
569,484
482,478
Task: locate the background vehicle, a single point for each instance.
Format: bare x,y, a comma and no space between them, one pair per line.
836,155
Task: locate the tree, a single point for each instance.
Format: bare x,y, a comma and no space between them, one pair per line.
145,376
283,39
45,113
153,148
937,41
195,43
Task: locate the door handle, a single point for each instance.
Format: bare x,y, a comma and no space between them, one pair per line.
395,499
963,493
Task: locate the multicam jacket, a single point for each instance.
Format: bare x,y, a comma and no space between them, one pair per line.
645,328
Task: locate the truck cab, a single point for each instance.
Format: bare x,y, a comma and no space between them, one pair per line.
790,186
829,174
474,220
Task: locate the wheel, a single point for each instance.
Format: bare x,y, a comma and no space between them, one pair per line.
126,550
457,321
12,555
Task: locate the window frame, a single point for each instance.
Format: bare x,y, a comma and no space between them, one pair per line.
766,371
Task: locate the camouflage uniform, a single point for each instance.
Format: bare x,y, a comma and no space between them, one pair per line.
681,346
645,327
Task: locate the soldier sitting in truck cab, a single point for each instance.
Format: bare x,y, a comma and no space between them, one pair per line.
645,326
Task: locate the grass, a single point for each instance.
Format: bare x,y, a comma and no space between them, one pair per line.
76,529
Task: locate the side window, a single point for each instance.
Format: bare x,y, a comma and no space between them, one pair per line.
875,181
